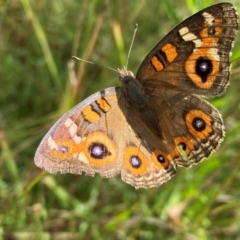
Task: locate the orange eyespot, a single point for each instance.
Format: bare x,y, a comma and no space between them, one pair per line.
99,149
160,159
198,124
135,161
184,143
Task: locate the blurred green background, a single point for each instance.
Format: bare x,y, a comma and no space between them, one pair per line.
39,82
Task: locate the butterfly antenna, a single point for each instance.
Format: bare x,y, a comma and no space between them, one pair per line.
82,60
130,49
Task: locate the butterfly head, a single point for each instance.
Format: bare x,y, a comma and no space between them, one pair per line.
125,75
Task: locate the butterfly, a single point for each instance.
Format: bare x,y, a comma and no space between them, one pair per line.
157,120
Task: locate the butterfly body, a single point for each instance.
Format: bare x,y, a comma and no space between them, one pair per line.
140,128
